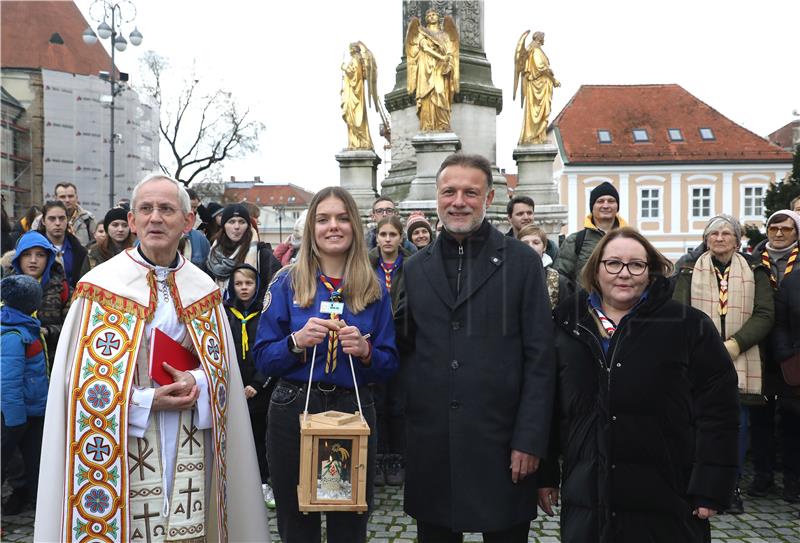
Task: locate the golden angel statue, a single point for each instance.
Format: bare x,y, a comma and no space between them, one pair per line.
533,74
360,75
432,58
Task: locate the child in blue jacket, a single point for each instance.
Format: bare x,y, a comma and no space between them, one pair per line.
24,385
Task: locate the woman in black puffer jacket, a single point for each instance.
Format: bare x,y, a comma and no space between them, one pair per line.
647,409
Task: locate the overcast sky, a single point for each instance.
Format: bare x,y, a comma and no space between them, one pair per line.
282,59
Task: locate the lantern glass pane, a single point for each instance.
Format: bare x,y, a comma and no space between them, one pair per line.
334,469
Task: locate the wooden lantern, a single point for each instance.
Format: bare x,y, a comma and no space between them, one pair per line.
333,462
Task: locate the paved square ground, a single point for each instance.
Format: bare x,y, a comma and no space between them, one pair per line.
767,520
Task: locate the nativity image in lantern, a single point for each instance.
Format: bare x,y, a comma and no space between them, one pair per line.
333,462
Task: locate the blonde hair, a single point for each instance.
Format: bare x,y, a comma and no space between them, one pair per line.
531,230
360,286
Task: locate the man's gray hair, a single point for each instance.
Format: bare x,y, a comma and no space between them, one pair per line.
183,196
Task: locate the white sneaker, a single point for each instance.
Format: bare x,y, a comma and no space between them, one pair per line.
269,498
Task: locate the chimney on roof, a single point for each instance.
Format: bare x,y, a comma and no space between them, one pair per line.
258,179
233,178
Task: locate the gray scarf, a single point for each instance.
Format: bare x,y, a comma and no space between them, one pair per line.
220,265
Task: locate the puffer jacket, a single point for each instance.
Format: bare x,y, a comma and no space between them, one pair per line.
647,429
24,368
56,292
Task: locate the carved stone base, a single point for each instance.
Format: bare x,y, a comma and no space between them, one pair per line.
431,148
535,175
358,174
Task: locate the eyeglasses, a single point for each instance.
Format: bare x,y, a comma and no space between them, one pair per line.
164,211
635,267
780,229
384,211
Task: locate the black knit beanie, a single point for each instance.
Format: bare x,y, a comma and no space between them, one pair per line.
115,214
603,189
235,210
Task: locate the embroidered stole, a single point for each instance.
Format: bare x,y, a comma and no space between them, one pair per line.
104,500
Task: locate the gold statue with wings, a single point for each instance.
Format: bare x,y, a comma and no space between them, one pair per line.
359,88
432,58
535,80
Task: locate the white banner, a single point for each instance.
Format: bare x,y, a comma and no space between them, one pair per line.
76,138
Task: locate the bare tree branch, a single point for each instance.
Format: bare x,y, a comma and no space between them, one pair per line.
202,127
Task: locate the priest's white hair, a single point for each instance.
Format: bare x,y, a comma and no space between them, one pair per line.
183,196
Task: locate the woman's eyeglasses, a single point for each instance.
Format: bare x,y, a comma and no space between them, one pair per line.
635,267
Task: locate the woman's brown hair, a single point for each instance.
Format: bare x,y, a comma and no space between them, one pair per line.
360,285
657,264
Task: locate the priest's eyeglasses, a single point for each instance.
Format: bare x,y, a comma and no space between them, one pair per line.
635,267
164,211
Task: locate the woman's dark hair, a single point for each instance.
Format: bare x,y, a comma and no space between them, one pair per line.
46,208
657,264
394,220
227,246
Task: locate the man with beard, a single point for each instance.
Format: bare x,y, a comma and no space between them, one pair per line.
475,333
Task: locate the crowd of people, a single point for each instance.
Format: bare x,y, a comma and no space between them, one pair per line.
498,371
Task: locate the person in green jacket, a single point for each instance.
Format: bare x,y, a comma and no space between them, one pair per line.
577,248
734,290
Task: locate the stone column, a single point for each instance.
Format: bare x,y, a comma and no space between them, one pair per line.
475,107
358,172
535,179
431,149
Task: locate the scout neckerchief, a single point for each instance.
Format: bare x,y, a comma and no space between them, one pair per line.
789,265
333,337
389,269
245,339
723,289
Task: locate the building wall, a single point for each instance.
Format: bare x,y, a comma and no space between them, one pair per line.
736,189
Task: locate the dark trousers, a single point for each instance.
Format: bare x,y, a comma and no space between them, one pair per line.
258,422
433,533
28,440
390,411
283,453
762,429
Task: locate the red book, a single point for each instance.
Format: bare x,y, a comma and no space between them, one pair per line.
165,349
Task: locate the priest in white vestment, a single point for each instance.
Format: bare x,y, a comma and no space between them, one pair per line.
129,460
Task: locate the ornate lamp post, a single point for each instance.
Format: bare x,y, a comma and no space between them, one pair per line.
119,13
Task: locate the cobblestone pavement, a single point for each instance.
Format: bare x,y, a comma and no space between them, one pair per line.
767,520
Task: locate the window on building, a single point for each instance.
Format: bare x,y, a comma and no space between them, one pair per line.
707,134
604,136
650,203
753,201
701,202
675,134
640,135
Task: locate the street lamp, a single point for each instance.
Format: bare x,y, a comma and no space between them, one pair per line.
279,208
103,10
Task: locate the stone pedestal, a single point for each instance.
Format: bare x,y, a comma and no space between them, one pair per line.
535,179
431,149
358,174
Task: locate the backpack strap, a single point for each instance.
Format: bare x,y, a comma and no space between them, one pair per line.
579,239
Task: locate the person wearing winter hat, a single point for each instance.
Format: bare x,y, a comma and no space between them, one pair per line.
211,220
578,247
235,244
733,289
779,254
118,238
24,387
35,256
419,230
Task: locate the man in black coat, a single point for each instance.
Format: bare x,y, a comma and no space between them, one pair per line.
475,332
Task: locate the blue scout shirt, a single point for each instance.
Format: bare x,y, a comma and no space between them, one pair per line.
281,316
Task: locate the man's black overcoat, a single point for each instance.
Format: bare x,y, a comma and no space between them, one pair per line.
480,382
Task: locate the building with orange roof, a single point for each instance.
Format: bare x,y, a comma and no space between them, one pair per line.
675,161
64,124
280,203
